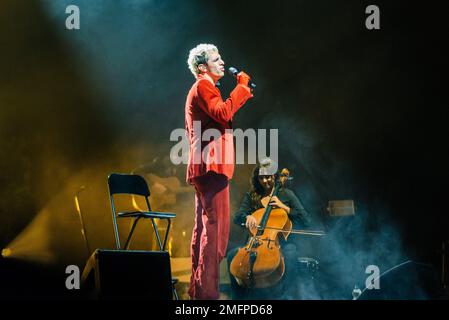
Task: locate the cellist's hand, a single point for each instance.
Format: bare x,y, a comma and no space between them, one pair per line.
251,222
278,203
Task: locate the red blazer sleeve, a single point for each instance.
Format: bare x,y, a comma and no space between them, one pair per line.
211,102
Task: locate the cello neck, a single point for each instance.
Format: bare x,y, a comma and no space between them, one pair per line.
268,208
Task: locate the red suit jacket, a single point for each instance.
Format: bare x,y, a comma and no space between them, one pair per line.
204,104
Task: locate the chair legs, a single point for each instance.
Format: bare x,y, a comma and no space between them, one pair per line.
175,293
162,246
131,233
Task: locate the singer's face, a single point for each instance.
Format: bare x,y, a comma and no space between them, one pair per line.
266,182
215,66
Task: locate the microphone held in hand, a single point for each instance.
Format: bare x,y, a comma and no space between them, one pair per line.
233,72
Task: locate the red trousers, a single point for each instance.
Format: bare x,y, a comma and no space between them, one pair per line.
210,234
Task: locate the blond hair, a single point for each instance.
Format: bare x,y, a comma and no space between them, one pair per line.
199,55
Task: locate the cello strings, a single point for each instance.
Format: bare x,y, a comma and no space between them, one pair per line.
311,232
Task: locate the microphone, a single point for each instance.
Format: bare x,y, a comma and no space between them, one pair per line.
233,72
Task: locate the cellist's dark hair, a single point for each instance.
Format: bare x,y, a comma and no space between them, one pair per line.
256,191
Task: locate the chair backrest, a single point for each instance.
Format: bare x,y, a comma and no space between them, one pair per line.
127,183
120,183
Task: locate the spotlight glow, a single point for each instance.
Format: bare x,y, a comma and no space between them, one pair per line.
6,252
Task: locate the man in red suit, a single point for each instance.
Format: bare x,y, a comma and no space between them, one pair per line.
211,164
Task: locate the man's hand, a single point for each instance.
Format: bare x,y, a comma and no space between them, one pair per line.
243,78
251,222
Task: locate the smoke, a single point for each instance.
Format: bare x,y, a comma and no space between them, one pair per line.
350,246
54,236
134,54
345,115
352,243
34,242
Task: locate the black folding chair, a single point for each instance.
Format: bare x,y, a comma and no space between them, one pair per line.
137,186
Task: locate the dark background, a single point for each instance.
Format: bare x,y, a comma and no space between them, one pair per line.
362,114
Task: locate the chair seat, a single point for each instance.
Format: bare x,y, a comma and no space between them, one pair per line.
146,214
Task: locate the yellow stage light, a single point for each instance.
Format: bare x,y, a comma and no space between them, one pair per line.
6,252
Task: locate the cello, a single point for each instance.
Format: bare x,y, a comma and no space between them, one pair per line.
260,263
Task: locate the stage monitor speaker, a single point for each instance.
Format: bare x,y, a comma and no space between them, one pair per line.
407,281
128,274
341,208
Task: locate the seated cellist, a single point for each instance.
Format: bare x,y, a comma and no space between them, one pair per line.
262,184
